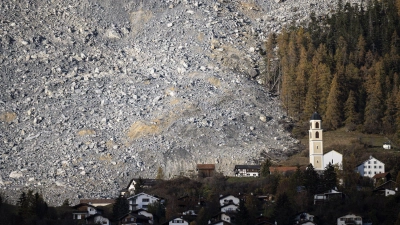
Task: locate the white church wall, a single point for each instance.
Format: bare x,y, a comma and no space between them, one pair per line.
333,157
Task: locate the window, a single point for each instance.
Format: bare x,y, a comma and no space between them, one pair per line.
316,125
316,134
374,162
145,200
375,167
369,162
380,167
369,166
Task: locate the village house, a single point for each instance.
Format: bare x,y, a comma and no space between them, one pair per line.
381,178
228,199
326,196
247,170
227,217
370,167
141,201
143,183
303,217
349,219
177,221
387,145
134,219
205,170
89,213
388,188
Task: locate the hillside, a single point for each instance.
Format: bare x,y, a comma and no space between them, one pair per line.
94,93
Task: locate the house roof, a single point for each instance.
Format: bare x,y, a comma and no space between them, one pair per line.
257,167
142,193
380,175
146,182
282,169
97,201
224,196
174,218
315,116
370,158
387,185
333,151
206,166
82,204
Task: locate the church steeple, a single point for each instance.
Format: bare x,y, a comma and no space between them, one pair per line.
316,143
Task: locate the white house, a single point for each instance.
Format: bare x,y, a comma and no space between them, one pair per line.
303,217
131,188
387,145
229,208
226,217
349,219
228,199
371,167
322,197
178,221
333,157
141,201
89,213
247,170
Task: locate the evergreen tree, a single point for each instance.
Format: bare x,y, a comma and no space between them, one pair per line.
158,211
373,109
350,112
120,207
242,214
311,179
329,177
283,210
265,168
202,217
333,116
252,208
389,119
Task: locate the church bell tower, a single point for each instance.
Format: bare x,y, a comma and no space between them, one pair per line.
316,144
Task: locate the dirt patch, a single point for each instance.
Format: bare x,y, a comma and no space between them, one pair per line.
8,117
138,19
85,132
214,81
107,157
140,129
175,101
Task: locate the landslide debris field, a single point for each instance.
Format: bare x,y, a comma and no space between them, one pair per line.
94,93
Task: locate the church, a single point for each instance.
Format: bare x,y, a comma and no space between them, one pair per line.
318,159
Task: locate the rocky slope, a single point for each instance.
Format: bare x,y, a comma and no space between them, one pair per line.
94,93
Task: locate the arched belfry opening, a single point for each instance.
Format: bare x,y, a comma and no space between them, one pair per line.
317,134
317,125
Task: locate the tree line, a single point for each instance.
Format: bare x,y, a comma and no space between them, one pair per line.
344,66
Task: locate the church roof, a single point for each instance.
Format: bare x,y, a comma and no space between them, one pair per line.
315,116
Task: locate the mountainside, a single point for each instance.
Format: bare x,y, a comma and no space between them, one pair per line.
94,93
